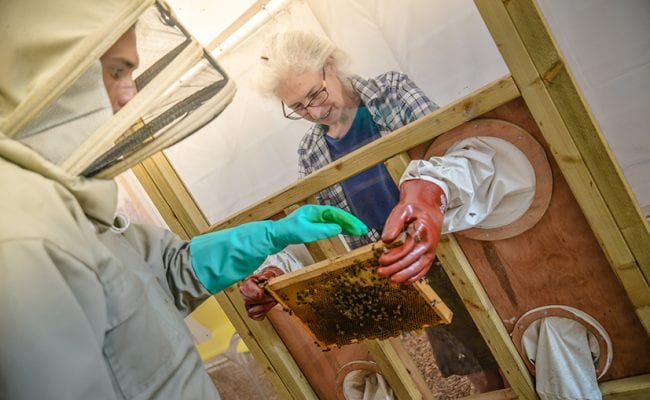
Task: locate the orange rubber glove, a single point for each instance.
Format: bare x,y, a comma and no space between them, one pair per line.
256,300
422,205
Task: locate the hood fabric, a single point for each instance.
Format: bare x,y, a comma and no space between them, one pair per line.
97,197
51,92
71,120
43,55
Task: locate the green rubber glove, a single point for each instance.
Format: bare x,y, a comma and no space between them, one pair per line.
224,257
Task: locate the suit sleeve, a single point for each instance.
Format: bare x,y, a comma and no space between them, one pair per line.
169,258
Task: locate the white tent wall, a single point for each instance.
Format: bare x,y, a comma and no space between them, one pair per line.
205,19
607,45
442,45
249,152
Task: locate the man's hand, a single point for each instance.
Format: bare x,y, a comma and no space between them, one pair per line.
421,208
224,257
256,300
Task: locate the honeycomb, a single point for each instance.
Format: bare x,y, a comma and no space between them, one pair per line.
343,301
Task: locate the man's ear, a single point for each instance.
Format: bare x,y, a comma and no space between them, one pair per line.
330,65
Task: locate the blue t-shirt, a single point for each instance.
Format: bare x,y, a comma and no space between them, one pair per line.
371,194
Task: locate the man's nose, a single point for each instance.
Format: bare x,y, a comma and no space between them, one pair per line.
316,112
126,92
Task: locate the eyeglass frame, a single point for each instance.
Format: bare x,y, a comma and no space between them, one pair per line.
296,114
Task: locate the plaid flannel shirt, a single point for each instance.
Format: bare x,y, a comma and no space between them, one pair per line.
393,100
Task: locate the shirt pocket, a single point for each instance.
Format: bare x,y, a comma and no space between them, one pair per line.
139,342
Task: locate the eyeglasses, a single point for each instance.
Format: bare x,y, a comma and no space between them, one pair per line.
315,100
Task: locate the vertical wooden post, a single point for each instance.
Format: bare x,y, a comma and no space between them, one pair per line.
576,142
183,215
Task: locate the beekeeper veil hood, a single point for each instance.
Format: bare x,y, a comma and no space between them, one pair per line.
53,98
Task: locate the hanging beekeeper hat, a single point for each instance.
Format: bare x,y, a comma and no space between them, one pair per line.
51,85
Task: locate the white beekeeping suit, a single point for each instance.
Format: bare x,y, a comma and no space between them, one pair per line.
90,307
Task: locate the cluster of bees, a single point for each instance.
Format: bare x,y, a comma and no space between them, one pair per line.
354,303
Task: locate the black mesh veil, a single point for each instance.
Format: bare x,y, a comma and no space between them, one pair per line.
190,102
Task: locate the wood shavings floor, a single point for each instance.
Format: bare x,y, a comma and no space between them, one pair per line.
233,378
453,387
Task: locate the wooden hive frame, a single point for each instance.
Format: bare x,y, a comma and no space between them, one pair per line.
341,300
541,78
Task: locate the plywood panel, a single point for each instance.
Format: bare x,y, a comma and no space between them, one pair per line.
575,141
319,367
558,261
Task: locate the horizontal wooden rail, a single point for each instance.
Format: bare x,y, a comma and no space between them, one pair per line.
401,140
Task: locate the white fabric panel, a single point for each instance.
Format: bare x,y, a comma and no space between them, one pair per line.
351,25
563,352
249,152
206,19
488,182
607,46
361,384
288,260
443,45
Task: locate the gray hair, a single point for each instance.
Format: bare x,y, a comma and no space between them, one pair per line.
292,53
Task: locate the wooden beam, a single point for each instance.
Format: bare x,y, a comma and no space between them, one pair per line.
487,320
582,126
398,367
420,131
165,210
503,394
398,376
396,166
179,206
267,347
415,376
612,231
184,217
634,388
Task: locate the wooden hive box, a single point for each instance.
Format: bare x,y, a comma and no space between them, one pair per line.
342,300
